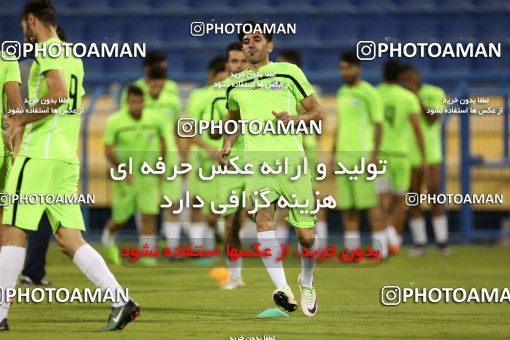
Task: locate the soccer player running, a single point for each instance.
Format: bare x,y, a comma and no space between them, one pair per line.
232,184
138,134
358,135
275,90
431,98
310,146
48,147
401,119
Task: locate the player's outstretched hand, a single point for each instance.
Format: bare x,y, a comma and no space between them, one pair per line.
223,155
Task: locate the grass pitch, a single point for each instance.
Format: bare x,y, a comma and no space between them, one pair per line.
181,301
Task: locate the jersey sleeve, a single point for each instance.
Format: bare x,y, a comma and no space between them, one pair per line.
437,99
413,104
109,131
12,72
48,63
301,87
375,106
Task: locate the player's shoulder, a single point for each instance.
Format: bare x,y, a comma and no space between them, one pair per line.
433,89
171,85
116,117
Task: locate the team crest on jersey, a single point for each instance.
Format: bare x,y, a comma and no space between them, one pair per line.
275,85
357,102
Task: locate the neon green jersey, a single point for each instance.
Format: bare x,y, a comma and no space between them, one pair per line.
195,109
138,139
55,136
9,71
359,107
399,103
275,87
164,107
432,97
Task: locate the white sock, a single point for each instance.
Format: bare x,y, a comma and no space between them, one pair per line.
418,230
108,238
308,264
209,240
196,233
149,239
274,268
351,239
248,232
93,266
393,238
380,242
282,233
321,230
235,267
12,259
440,225
172,232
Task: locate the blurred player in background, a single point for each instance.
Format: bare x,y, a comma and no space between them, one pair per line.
203,151
49,147
229,184
163,96
430,97
358,135
163,106
134,135
310,145
275,95
401,119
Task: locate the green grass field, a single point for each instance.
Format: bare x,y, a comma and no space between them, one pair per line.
181,301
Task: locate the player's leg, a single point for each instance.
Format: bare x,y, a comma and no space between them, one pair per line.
233,224
88,260
350,216
12,258
18,218
439,219
282,229
383,186
416,218
171,223
123,207
266,236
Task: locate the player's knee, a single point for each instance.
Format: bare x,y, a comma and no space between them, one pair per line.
69,241
306,239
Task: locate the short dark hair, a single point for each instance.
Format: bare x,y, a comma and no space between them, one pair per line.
407,67
391,69
157,73
253,24
42,10
234,46
153,57
134,90
291,56
217,65
350,57
61,33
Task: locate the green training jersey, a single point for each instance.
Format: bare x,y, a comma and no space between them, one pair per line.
274,87
359,108
138,139
9,71
195,109
399,103
56,136
163,107
432,97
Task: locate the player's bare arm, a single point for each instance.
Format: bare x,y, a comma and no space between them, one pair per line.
229,140
13,133
56,91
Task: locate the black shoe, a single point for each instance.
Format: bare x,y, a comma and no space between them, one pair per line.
26,280
3,325
121,316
